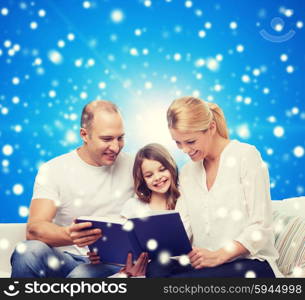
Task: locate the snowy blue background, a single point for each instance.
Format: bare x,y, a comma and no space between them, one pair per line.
55,56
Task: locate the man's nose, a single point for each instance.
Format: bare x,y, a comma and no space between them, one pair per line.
115,146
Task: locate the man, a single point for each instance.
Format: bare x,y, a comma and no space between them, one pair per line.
95,179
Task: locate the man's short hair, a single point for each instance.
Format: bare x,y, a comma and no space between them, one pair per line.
94,106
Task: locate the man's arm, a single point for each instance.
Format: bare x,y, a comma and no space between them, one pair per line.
41,227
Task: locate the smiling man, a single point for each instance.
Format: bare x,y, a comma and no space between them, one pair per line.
93,180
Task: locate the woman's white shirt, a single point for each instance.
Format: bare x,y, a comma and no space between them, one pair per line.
236,208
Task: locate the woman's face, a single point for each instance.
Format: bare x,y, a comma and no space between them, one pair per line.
157,177
195,144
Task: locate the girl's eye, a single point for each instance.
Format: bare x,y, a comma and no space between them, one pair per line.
162,169
147,176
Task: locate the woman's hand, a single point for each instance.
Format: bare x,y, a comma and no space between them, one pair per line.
137,269
201,257
94,258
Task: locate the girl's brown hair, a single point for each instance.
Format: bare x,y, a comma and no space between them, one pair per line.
159,153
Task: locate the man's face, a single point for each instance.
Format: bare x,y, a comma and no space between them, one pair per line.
105,139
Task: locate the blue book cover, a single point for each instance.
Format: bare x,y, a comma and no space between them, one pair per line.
154,234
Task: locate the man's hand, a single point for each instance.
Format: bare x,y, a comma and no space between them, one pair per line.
82,237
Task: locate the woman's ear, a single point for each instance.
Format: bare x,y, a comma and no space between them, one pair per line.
213,127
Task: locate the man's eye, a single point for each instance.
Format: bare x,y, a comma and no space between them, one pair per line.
190,142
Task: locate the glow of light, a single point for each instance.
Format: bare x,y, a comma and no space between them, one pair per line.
233,25
15,80
201,33
52,94
245,78
177,56
70,36
240,48
188,3
102,85
147,3
18,189
33,25
298,151
86,4
199,62
55,57
300,24
208,25
243,131
290,69
7,150
152,244
117,16
23,211
250,274
41,13
212,64
278,131
71,137
4,11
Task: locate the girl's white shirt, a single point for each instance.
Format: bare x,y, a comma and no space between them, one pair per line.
135,208
236,208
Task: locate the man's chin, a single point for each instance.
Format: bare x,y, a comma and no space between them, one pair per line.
109,161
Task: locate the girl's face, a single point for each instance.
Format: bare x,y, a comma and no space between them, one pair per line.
157,177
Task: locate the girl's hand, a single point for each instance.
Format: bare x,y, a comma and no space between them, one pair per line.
137,269
94,258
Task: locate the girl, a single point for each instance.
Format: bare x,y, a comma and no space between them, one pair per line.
226,198
155,175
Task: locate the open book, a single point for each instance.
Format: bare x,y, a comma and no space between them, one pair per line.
156,234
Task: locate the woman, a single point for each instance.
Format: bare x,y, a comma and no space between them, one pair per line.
225,198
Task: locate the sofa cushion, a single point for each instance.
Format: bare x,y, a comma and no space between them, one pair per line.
290,242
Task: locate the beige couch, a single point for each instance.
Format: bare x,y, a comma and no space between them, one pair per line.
289,228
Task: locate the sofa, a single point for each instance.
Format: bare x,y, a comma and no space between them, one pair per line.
288,223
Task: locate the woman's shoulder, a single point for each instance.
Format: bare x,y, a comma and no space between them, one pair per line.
241,148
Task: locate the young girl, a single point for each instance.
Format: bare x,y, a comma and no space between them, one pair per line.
155,175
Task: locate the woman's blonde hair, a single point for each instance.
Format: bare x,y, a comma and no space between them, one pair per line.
189,114
159,153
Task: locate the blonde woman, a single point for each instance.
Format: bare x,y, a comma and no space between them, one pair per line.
225,198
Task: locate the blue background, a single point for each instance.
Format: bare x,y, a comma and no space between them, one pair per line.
55,56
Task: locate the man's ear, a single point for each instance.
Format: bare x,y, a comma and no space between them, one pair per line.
84,135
